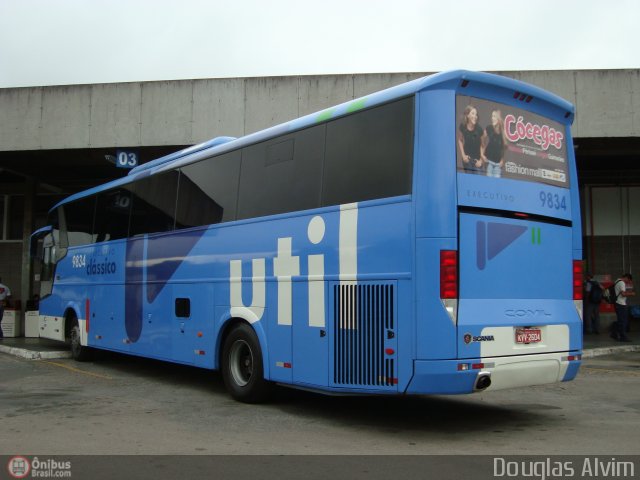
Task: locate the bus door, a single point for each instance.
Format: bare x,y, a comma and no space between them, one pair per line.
515,286
44,252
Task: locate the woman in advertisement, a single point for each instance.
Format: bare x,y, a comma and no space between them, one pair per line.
493,145
470,136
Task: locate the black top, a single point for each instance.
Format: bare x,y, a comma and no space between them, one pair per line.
495,147
471,140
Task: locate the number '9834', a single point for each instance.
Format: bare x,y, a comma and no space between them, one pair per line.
553,201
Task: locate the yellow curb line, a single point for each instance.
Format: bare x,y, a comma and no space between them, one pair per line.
77,370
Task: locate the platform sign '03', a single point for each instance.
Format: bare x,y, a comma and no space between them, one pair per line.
126,159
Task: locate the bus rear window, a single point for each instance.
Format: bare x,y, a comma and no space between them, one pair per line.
501,141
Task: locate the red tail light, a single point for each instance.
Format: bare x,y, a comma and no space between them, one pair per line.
577,279
448,274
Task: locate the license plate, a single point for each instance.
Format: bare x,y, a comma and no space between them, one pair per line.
528,335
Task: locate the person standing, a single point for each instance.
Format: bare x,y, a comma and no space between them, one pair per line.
592,300
622,309
470,137
4,294
494,145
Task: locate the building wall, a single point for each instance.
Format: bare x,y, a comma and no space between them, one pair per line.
191,111
612,229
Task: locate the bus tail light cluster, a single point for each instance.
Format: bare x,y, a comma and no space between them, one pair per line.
577,287
448,274
449,282
522,97
577,280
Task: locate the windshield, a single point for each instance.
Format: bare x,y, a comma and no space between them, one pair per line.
498,140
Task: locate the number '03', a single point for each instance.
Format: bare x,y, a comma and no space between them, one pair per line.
553,201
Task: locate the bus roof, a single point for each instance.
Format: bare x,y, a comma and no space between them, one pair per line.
459,80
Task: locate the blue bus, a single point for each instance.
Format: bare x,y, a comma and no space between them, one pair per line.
424,239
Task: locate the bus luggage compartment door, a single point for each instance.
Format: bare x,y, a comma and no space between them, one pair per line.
516,294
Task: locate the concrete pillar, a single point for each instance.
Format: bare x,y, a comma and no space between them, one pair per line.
27,229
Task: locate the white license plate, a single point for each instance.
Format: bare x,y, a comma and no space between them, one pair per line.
528,335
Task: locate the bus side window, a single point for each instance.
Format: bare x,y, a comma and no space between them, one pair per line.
208,191
282,175
79,216
369,154
112,215
153,204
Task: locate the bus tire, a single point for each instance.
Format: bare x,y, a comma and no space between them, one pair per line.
242,368
79,352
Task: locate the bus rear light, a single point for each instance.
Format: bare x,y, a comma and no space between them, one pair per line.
577,280
572,358
523,97
448,274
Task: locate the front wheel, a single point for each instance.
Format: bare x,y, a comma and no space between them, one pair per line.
79,352
242,368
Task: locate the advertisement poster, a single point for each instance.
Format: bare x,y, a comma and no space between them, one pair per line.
500,141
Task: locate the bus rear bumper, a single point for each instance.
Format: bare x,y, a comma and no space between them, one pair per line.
463,375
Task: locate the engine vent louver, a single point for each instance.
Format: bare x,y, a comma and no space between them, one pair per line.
364,335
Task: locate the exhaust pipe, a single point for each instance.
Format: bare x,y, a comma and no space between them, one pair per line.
483,381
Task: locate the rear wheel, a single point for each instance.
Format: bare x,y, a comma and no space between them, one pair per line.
79,352
242,368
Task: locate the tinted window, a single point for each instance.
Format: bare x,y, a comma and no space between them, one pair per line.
368,154
112,215
208,191
283,174
79,219
153,204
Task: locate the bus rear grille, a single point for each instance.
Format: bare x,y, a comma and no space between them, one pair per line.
364,335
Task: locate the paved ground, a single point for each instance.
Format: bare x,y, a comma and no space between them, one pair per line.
124,405
121,405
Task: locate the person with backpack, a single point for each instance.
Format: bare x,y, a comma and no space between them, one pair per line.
5,293
619,332
592,300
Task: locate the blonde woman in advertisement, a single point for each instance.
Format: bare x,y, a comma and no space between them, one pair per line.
494,144
470,136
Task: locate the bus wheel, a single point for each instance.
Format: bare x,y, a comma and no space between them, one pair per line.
242,368
79,352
